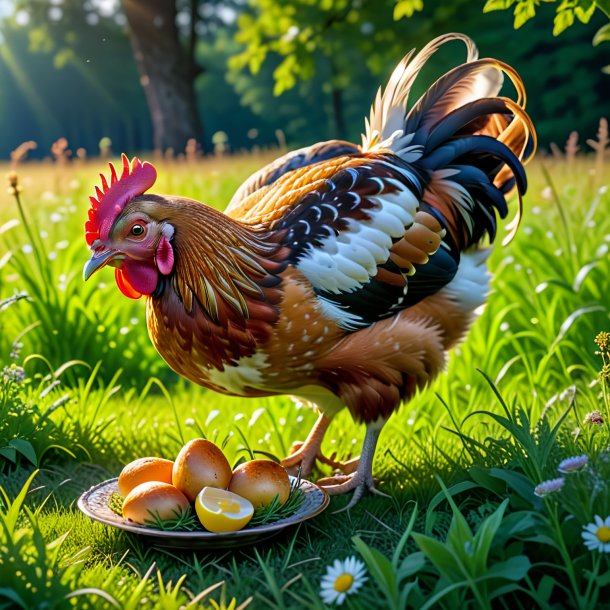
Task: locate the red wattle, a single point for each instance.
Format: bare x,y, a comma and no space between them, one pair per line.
136,278
124,286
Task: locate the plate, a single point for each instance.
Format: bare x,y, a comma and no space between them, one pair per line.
94,503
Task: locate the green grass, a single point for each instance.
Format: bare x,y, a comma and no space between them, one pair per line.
460,461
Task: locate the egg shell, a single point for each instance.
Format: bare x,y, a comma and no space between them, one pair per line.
260,481
160,499
143,470
200,463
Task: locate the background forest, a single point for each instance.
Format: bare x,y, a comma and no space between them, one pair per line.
67,68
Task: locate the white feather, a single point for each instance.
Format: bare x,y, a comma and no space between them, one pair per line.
470,285
384,129
346,262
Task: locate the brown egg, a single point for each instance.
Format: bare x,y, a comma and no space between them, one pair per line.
154,498
200,463
144,470
260,481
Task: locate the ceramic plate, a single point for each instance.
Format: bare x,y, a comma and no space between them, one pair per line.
94,503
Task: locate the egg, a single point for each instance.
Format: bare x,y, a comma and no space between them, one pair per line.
260,481
162,500
200,463
143,470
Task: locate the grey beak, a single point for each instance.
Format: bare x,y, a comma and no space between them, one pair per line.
97,261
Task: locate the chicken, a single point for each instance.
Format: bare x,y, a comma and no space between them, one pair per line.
340,274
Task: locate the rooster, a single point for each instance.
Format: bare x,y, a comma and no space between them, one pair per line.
340,274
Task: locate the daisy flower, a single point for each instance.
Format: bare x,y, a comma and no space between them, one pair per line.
572,464
597,535
342,579
548,487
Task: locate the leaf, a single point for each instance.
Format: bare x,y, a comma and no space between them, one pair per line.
379,567
567,323
563,20
26,449
602,35
516,481
285,75
584,10
583,272
404,538
9,453
411,564
497,5
441,556
13,596
524,11
443,495
516,523
11,515
484,537
406,8
545,587
514,568
482,477
7,226
5,259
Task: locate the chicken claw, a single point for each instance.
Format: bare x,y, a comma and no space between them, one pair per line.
359,481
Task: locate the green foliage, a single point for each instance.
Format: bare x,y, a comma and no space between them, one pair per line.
566,12
407,8
27,430
32,572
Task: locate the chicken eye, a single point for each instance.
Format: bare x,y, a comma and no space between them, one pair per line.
137,230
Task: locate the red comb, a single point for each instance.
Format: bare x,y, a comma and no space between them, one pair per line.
111,199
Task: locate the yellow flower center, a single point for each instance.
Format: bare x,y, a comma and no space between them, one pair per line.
344,582
603,534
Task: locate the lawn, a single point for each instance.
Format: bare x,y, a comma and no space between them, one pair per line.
83,392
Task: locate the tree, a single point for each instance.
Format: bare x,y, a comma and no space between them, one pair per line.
167,70
344,39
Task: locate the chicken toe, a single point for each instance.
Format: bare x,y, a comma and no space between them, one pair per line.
362,479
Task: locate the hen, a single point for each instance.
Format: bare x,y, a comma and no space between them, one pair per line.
340,274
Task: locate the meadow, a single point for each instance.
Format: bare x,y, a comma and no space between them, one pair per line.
83,392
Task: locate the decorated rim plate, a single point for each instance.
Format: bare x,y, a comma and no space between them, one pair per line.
94,503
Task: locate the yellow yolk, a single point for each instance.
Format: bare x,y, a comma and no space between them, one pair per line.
603,534
229,506
343,583
220,510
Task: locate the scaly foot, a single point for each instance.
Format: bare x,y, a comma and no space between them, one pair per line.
362,479
304,455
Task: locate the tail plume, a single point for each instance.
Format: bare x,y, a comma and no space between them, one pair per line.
471,141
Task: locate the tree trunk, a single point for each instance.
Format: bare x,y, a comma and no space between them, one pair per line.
167,74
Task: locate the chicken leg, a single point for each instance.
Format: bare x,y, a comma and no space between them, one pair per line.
305,456
362,479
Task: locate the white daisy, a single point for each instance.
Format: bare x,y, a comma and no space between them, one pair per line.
342,579
597,535
548,487
572,464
